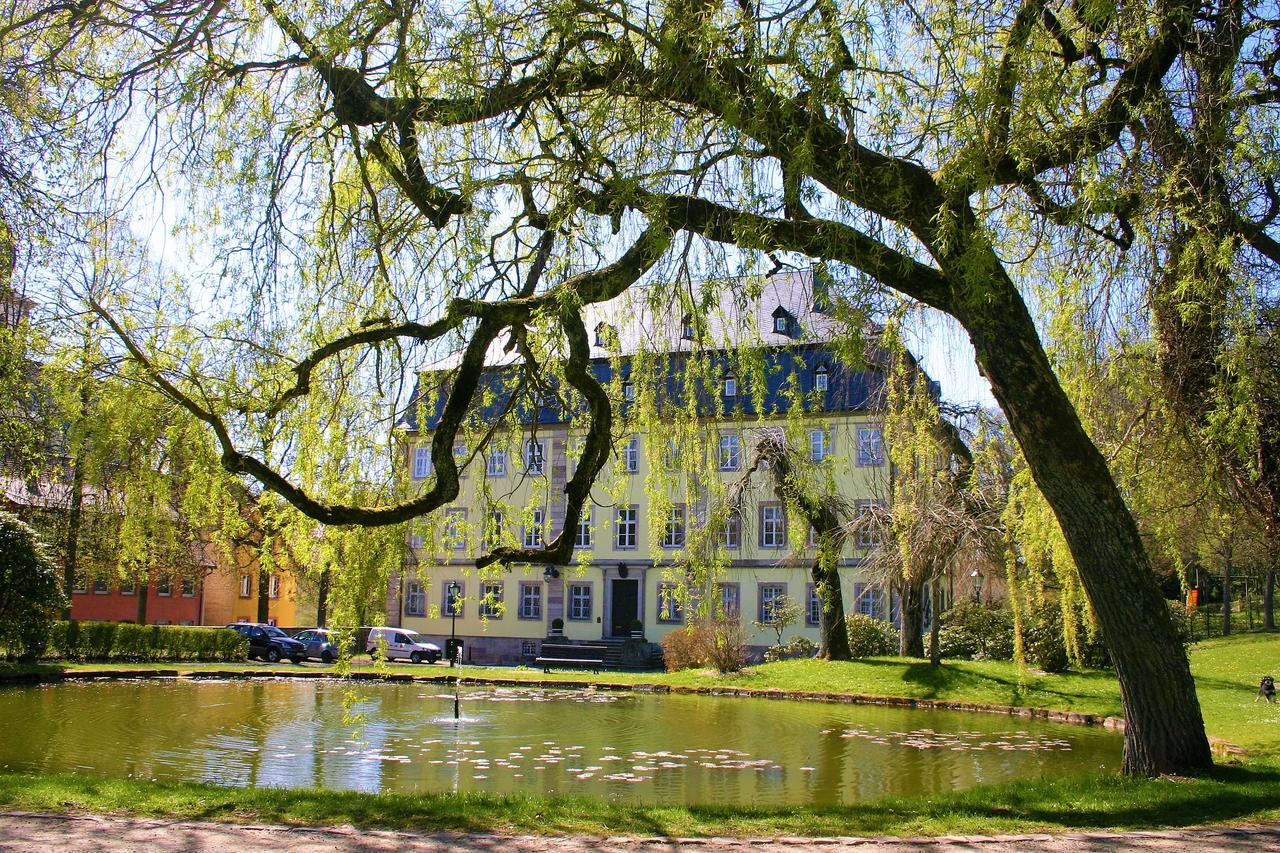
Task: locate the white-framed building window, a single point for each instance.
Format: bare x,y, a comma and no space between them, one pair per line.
583,537
868,600
770,593
813,606
534,459
451,604
533,532
246,586
273,586
580,602
819,445
628,527
732,535
528,648
80,584
415,599
669,609
188,588
628,390
773,526
821,378
671,455
164,588
870,446
868,536
686,327
455,529
631,455
530,600
674,533
493,533
415,541
730,451
421,463
730,600
101,587
129,589
460,457
496,462
491,600
730,383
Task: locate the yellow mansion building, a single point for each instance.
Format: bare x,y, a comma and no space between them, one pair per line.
650,499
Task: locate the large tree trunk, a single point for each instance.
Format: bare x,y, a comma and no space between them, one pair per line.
911,612
264,599
1268,611
322,599
1164,730
75,516
935,623
833,631
144,592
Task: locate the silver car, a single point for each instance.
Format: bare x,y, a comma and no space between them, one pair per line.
319,643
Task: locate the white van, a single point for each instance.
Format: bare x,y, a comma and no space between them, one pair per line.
401,644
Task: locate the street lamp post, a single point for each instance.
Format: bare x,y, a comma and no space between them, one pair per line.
977,579
454,592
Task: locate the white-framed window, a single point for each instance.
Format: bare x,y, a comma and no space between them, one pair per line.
164,588
580,602
533,532
730,385
730,600
273,586
528,648
583,537
812,541
246,586
415,599
129,589
813,606
870,446
868,536
452,594
770,593
491,600
415,540
455,529
188,588
730,451
421,463
773,526
80,584
530,600
686,327
493,533
628,526
628,390
819,445
101,587
496,462
669,609
732,535
820,378
631,455
534,460
867,600
459,457
674,533
671,455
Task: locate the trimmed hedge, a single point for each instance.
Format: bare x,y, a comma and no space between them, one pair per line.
124,641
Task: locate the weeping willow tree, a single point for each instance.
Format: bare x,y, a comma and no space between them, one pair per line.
373,181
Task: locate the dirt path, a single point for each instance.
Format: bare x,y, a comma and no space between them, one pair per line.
26,831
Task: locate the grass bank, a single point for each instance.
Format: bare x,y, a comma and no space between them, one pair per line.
1229,795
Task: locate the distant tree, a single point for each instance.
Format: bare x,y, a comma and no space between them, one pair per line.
779,615
30,592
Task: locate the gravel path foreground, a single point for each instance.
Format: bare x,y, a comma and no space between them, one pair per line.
30,831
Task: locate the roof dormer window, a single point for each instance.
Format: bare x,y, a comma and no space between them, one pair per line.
730,385
820,378
784,322
686,327
606,335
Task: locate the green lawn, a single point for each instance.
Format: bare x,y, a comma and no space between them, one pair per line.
1226,671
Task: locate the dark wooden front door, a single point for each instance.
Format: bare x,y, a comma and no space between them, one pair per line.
626,607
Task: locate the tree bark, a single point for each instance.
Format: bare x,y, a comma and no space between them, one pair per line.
833,631
264,600
911,612
74,517
1226,599
1164,729
1268,611
935,623
144,592
322,600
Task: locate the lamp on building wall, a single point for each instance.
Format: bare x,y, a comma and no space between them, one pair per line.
977,579
550,573
623,571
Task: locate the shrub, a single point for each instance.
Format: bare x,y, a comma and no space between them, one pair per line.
684,648
870,637
970,630
1042,642
799,647
30,592
726,645
124,641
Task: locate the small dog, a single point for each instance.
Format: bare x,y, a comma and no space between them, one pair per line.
1266,689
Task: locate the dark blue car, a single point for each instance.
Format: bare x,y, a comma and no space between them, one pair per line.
270,643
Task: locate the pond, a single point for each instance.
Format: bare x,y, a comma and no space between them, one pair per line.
620,746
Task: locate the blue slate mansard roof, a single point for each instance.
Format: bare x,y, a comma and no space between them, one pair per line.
743,319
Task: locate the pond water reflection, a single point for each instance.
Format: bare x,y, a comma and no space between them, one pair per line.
622,746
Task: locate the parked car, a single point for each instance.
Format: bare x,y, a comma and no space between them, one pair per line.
319,643
269,642
401,644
